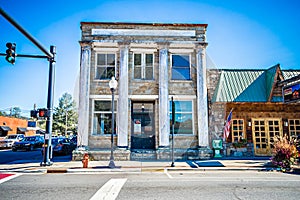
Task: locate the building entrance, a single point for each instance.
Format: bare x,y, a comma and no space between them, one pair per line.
264,131
142,123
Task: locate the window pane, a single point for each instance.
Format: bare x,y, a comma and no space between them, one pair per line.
180,61
182,106
183,117
111,59
110,72
183,124
137,59
102,123
149,73
180,74
103,106
137,72
100,73
101,59
149,59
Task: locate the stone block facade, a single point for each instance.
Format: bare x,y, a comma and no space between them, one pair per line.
152,63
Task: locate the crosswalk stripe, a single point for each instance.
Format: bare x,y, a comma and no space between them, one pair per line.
9,178
110,190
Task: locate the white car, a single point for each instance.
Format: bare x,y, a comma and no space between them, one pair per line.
10,140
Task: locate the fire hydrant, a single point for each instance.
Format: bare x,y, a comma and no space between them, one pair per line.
85,160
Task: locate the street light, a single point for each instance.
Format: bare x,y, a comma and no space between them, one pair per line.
112,85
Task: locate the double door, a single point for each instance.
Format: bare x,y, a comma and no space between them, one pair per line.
264,131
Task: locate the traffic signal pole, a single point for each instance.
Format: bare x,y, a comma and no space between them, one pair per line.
51,58
48,134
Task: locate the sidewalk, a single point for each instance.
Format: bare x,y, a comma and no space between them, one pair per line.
141,166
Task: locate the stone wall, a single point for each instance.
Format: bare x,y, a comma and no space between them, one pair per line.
216,109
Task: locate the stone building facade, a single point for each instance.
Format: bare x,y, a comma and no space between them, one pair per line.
152,63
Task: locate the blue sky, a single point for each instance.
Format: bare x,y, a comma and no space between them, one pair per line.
241,34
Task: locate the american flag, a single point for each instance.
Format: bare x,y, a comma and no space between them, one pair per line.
227,125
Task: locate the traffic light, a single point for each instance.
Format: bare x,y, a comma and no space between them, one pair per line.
40,113
33,113
11,52
43,112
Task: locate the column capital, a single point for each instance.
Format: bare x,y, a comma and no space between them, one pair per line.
85,44
124,44
163,45
200,47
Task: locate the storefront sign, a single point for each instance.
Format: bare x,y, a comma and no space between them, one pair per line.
291,93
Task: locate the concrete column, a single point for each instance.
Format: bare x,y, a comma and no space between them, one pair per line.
122,122
202,97
164,115
84,92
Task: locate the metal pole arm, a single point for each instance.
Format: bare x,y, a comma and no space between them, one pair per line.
25,33
27,56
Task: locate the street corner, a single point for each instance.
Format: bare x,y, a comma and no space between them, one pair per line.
7,176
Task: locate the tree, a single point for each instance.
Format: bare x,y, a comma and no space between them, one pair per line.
2,113
15,112
65,115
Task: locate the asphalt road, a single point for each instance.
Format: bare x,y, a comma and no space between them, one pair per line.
7,156
169,185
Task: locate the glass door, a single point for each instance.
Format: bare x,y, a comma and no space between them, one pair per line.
264,131
143,130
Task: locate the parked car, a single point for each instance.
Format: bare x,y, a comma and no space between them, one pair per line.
62,146
10,140
73,139
29,143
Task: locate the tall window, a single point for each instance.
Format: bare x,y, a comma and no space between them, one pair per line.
105,66
294,127
181,67
103,117
143,66
183,117
237,130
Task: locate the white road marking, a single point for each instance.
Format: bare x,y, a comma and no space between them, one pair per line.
9,178
110,190
167,173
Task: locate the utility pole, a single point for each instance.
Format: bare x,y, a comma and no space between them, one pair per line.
51,58
66,129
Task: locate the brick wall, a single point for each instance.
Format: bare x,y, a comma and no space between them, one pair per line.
14,123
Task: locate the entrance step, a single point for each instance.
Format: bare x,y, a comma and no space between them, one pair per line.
142,154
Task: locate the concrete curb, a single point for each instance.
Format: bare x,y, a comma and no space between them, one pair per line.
155,169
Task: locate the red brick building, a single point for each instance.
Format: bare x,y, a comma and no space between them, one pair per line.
11,125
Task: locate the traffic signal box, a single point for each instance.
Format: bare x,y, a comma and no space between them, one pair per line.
11,52
41,113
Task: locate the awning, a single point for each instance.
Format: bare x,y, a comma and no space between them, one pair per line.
5,128
22,129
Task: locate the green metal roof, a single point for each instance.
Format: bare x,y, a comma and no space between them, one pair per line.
249,85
